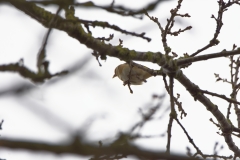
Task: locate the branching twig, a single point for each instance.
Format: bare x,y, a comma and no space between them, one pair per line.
169,25
114,27
214,41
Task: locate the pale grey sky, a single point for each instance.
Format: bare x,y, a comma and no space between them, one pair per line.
92,94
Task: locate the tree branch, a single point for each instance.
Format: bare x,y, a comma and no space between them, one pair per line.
225,125
78,148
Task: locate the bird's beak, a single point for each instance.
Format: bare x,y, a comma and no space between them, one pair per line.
114,76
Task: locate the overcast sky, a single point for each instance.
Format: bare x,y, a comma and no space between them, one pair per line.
91,100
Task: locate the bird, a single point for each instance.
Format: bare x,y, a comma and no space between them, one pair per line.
137,77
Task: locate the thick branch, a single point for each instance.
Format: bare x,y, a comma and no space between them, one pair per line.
85,149
225,126
75,30
207,56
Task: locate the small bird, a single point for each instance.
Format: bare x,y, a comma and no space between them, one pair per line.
137,77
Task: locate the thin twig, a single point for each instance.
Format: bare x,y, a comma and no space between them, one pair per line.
220,96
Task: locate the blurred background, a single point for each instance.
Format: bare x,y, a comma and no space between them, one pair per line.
88,102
